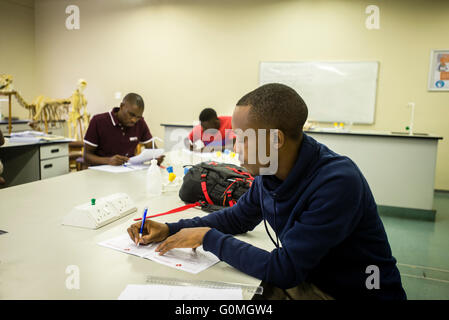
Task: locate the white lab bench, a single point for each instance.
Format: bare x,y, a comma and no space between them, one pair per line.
400,168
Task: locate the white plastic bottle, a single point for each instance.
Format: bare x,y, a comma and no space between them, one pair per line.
154,179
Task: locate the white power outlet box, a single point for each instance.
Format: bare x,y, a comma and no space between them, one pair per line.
105,211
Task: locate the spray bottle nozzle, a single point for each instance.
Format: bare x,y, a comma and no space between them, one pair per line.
152,140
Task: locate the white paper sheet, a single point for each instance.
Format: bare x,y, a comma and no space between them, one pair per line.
166,292
120,169
28,134
183,258
33,137
146,155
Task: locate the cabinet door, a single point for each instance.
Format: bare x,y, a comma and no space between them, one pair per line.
54,167
54,151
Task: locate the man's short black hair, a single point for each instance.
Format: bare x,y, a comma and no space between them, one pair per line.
208,114
277,106
134,99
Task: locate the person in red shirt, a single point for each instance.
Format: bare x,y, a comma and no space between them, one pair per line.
215,132
112,137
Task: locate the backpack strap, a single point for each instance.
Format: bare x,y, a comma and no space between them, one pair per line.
179,209
242,173
231,201
228,193
204,188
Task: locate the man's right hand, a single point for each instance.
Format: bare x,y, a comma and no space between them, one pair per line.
152,232
117,160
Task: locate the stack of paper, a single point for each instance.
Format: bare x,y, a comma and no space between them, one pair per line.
32,137
119,169
183,259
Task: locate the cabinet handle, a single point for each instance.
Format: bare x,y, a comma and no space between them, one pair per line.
54,150
48,166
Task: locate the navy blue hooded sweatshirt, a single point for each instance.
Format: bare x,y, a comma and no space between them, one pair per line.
326,221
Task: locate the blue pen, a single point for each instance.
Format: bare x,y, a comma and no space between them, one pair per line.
143,223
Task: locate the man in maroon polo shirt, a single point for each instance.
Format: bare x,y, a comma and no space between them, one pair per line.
112,137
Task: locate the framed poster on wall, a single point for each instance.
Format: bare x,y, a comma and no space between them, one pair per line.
439,71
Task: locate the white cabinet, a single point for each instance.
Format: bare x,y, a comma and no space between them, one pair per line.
54,160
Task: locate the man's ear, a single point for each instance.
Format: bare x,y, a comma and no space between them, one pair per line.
277,138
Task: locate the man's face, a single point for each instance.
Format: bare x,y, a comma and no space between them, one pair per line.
130,114
249,139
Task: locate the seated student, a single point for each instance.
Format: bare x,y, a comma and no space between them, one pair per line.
112,137
215,132
330,241
2,142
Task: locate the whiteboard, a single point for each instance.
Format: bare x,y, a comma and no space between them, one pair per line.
333,91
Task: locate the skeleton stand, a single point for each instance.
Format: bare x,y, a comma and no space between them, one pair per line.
9,95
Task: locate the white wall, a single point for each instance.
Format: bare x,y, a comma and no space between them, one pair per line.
183,56
17,51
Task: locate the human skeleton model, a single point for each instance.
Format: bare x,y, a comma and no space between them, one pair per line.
78,122
5,82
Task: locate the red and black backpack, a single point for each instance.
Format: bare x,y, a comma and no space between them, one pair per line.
215,185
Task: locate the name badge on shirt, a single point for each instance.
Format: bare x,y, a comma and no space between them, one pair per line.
132,138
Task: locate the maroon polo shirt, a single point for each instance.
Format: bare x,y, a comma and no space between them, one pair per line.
110,138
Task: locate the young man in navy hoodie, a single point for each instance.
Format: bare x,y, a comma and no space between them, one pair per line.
330,241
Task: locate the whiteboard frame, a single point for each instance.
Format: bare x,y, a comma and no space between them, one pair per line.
372,116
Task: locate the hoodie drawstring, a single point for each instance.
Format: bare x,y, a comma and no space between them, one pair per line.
276,243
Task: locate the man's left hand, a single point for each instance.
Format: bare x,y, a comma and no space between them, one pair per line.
184,238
